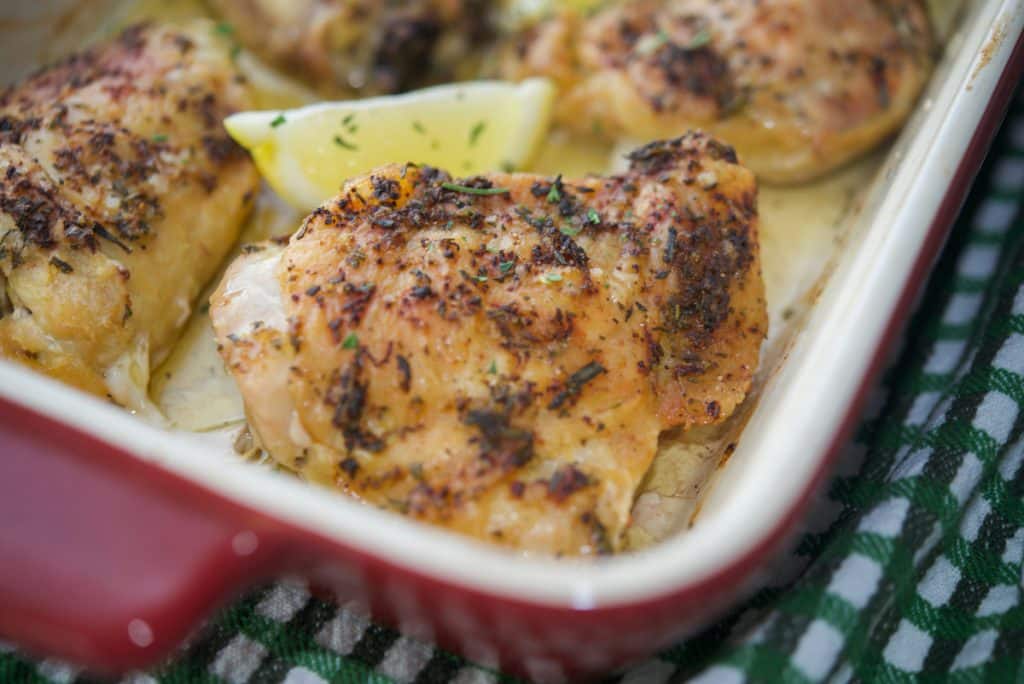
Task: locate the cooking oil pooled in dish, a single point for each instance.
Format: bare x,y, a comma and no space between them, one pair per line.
192,388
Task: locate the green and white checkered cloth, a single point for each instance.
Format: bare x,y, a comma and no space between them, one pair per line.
910,569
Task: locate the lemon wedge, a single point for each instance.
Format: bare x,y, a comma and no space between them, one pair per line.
516,15
465,128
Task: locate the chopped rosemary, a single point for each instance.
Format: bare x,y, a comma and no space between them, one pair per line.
575,384
476,131
278,120
418,127
350,341
455,187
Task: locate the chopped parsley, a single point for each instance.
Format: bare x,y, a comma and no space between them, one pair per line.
650,44
348,123
160,138
555,193
702,38
476,131
455,187
418,127
350,341
552,277
593,216
341,142
493,368
277,121
570,230
506,266
224,29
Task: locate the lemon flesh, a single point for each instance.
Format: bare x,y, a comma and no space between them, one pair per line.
465,128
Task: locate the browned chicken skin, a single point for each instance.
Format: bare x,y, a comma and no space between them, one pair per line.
120,193
798,86
499,354
361,46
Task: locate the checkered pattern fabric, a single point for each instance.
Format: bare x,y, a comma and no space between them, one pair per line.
910,567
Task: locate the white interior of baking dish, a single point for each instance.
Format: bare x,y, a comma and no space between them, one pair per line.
781,447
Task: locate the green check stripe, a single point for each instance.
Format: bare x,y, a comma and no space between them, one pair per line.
981,565
980,380
959,332
970,285
1007,195
922,491
16,669
1003,500
995,239
1002,670
765,664
185,672
947,622
953,435
816,602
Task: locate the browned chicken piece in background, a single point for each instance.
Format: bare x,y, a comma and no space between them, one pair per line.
120,194
361,46
798,86
499,354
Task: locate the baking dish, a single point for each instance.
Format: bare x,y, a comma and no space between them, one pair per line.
120,537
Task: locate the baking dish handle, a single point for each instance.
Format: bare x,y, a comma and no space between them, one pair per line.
106,560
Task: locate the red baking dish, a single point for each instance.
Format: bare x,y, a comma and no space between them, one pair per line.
121,536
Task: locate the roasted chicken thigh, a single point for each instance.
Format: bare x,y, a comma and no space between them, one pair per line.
499,354
120,194
798,86
361,46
